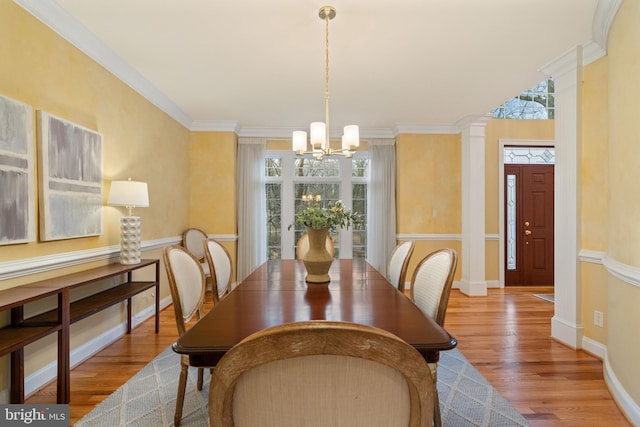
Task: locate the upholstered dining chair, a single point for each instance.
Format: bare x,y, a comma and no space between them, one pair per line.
430,289
303,246
192,239
188,285
219,263
398,263
321,373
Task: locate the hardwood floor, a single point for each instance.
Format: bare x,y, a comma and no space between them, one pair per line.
505,335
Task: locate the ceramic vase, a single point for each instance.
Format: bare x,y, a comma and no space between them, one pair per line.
317,260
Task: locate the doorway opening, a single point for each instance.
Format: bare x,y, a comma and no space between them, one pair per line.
528,215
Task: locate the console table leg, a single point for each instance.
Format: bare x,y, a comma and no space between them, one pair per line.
64,369
17,376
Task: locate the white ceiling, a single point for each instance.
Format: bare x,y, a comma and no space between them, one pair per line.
258,65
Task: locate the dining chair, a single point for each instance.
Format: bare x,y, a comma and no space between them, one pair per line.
303,246
430,289
219,263
321,373
398,263
192,239
188,285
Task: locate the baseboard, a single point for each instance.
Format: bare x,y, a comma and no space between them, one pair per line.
48,373
595,348
630,408
568,334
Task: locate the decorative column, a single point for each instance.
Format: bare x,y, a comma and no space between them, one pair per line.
566,324
473,281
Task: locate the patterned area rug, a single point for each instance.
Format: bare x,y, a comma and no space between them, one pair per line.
148,399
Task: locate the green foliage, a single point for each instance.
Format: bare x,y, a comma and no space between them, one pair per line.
332,217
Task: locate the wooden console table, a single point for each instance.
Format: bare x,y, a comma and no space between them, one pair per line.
21,332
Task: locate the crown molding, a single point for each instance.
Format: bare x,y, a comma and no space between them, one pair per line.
215,126
425,128
56,18
603,17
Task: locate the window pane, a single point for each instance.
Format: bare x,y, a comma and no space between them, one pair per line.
360,168
511,222
534,103
311,167
273,166
529,155
359,200
329,193
274,211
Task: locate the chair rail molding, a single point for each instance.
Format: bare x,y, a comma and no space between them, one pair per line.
27,266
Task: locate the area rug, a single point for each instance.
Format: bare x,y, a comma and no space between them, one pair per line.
148,398
546,297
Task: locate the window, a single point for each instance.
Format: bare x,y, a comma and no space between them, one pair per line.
535,103
289,177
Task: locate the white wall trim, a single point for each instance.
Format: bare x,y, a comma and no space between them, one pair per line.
594,257
426,128
417,236
27,266
624,272
224,237
620,395
603,16
594,347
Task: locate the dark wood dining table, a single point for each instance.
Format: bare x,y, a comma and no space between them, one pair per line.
276,293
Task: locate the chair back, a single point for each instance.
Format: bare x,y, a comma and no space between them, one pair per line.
220,267
431,283
192,239
303,246
321,373
186,282
398,263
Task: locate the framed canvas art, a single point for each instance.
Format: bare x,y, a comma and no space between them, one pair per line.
70,169
17,181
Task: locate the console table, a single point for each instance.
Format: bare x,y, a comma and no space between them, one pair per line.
21,332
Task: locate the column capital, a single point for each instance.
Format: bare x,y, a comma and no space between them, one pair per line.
472,121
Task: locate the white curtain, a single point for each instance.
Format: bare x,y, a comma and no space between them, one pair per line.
252,228
381,226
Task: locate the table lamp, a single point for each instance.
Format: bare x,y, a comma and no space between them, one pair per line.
132,194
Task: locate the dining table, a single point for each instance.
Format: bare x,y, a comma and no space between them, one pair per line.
276,293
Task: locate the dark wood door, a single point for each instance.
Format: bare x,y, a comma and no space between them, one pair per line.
529,225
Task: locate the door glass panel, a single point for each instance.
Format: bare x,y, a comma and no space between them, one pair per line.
511,222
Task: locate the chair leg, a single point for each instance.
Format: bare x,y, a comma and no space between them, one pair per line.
182,385
200,378
437,420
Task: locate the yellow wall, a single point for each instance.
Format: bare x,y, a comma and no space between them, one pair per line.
623,345
428,191
212,185
594,205
41,69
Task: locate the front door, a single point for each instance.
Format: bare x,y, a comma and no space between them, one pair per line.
529,224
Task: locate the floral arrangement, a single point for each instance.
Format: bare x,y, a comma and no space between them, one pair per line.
332,217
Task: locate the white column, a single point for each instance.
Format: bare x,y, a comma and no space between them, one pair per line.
472,260
566,324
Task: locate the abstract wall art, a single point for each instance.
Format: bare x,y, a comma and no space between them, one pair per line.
17,180
70,170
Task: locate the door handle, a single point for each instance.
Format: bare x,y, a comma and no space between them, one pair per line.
526,223
527,232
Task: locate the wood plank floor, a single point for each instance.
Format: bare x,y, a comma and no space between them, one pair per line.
505,335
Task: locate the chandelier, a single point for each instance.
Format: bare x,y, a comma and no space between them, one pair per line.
319,132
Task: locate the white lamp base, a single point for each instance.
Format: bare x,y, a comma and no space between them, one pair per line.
130,240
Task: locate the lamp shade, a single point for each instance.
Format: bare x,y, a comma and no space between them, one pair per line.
129,193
